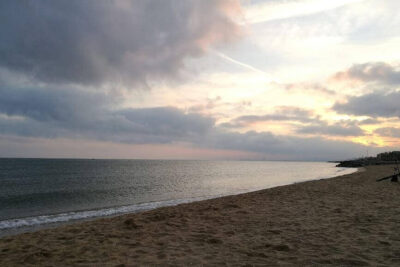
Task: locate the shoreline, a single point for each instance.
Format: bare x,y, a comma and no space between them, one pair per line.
35,223
346,220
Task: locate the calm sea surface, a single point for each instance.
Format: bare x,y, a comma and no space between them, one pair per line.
42,191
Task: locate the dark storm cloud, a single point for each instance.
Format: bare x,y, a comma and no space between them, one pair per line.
377,104
371,72
110,41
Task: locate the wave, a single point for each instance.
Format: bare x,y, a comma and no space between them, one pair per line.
80,215
88,214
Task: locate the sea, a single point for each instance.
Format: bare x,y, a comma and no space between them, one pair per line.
38,193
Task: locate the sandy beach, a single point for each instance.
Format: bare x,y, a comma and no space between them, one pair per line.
346,221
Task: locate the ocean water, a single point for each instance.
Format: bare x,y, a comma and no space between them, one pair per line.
37,192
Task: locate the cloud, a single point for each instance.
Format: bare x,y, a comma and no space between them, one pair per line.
53,113
267,11
211,103
282,113
134,126
371,72
54,104
388,132
369,121
56,55
311,87
70,112
285,147
310,123
117,41
336,129
376,104
164,124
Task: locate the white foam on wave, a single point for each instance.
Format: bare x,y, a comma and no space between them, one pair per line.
345,171
80,215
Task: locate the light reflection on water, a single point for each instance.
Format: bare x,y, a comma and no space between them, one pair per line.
53,190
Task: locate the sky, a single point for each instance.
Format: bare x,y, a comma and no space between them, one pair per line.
199,79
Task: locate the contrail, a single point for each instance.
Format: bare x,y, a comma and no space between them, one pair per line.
247,66
259,13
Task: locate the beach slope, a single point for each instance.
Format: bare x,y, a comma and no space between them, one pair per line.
346,221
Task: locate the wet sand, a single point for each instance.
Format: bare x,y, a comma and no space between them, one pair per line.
346,221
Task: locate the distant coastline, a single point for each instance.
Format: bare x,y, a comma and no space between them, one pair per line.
386,158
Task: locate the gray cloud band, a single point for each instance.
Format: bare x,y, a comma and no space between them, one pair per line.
73,113
372,72
377,104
